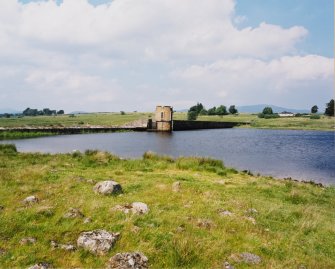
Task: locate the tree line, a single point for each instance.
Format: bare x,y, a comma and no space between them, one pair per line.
35,112
199,109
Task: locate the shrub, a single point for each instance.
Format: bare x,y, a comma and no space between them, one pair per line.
8,149
149,155
192,115
315,117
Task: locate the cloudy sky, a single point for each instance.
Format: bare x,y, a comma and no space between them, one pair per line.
112,55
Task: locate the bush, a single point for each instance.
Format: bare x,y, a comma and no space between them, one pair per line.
192,115
8,149
315,117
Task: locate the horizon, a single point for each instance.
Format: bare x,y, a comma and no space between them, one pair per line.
103,55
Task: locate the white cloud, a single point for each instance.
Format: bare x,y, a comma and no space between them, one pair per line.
100,56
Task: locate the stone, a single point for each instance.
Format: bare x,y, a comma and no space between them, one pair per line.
227,265
128,260
139,208
251,219
247,257
30,200
67,247
28,241
204,223
73,213
251,211
42,265
87,220
107,187
223,212
98,242
176,186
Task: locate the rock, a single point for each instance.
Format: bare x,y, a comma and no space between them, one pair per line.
87,220
135,208
30,200
223,212
180,228
204,223
227,265
107,187
46,211
128,261
176,186
98,241
247,257
251,211
139,208
73,213
67,247
28,241
251,219
41,265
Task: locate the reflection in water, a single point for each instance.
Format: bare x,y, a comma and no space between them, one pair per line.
307,155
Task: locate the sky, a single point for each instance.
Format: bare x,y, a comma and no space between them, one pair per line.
99,55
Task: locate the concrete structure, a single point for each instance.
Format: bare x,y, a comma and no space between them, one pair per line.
163,118
286,114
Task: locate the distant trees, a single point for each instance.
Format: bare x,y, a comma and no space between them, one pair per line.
199,109
267,113
314,109
232,110
44,112
330,108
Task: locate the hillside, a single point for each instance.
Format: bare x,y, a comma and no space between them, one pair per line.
200,214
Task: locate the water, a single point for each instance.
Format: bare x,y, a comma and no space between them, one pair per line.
304,155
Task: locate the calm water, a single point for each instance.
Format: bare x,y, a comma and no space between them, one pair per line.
307,155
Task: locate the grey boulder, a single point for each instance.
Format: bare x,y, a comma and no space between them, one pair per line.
107,187
128,260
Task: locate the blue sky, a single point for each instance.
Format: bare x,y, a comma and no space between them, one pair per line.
134,54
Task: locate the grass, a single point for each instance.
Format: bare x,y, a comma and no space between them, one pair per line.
291,123
294,223
92,119
19,135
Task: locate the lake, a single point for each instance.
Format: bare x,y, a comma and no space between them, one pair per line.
303,155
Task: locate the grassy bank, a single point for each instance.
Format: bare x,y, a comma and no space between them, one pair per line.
290,123
285,223
19,135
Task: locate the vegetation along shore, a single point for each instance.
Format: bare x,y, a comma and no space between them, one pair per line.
172,213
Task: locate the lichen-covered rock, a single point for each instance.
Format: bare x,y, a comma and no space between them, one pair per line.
87,220
67,247
28,241
42,265
73,213
98,242
128,261
247,257
30,200
223,212
139,208
227,265
107,187
176,186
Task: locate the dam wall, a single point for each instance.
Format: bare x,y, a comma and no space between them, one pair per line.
183,125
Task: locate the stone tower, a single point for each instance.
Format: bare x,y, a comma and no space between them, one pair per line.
163,118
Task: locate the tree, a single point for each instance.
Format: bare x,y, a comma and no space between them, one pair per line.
60,112
232,109
314,109
267,111
197,108
212,111
330,108
203,112
221,110
192,115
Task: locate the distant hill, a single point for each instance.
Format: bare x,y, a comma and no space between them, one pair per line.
276,109
78,112
9,110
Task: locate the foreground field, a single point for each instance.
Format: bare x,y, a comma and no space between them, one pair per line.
213,216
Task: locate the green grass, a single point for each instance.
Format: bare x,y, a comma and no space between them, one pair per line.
101,119
294,224
19,135
291,123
